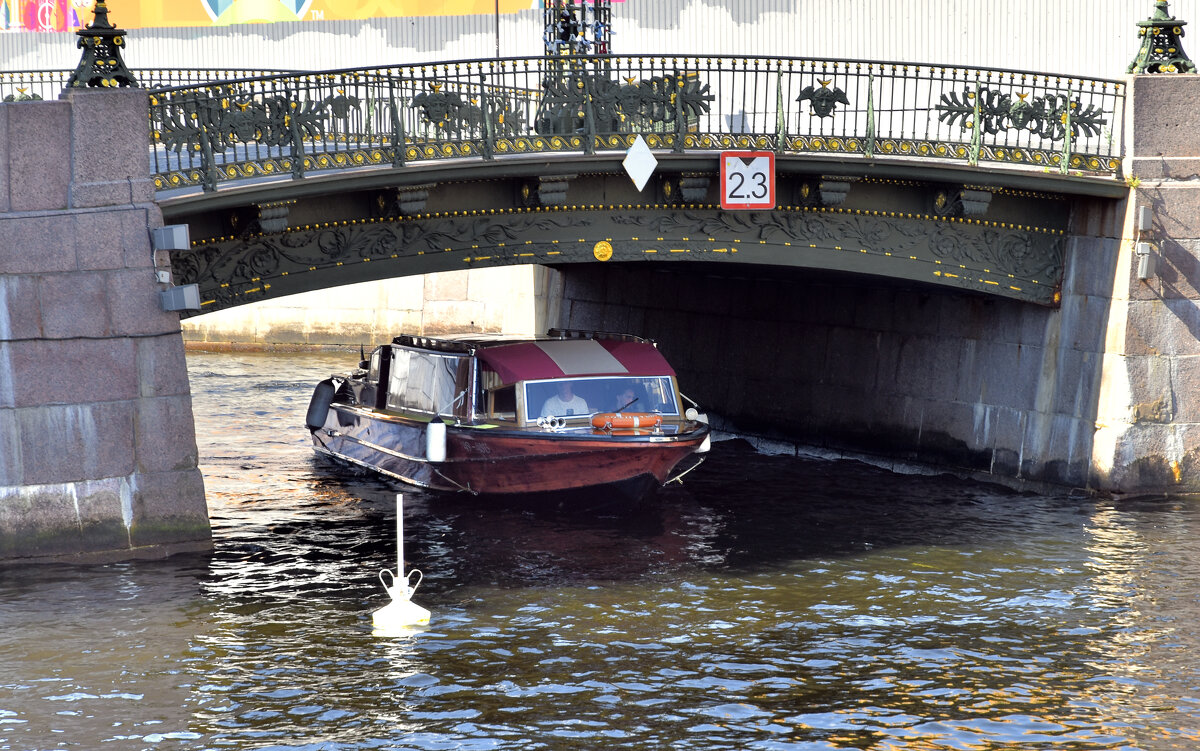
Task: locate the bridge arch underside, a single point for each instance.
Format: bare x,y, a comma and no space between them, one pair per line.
246,248
911,372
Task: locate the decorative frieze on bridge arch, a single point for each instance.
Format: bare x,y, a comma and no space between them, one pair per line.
1008,261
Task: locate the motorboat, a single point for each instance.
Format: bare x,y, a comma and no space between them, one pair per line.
495,415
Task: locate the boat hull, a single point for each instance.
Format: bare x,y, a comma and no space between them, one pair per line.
493,460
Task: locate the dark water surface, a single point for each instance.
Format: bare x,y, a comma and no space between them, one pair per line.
770,603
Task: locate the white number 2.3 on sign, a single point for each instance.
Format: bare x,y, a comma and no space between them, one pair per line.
747,180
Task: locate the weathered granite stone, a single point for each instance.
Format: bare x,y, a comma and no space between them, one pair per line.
74,305
101,370
1184,382
1178,272
165,436
100,174
169,509
11,460
38,520
75,443
20,310
162,367
38,136
1089,266
1163,327
1176,208
36,243
100,238
1163,112
1164,168
103,510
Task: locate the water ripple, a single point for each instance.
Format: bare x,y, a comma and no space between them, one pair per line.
773,602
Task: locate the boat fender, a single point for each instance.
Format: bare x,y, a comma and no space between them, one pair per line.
318,405
697,416
610,420
435,440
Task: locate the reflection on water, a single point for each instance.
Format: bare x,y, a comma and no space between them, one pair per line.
772,602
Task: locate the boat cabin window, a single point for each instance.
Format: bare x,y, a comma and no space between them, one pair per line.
423,381
580,397
499,402
503,403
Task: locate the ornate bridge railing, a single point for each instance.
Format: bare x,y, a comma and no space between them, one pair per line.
300,123
206,133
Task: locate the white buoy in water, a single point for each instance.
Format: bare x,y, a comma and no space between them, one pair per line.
397,617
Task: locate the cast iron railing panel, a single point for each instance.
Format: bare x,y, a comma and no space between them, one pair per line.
296,124
207,133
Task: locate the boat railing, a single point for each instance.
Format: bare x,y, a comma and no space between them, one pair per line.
440,345
587,334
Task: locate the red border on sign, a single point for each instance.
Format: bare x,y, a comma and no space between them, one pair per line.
767,204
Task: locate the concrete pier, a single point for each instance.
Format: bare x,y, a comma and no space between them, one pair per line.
97,446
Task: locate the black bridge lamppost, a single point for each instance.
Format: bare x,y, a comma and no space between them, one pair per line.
1162,48
101,65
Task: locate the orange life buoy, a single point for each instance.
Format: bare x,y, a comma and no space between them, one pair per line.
610,420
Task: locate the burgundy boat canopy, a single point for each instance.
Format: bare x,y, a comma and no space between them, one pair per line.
558,358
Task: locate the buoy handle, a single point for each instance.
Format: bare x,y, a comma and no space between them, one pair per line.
408,580
405,585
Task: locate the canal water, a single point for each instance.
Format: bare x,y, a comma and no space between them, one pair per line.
772,602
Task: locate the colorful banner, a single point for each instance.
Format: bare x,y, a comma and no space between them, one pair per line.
70,15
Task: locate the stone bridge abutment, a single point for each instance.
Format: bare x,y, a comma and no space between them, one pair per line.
97,445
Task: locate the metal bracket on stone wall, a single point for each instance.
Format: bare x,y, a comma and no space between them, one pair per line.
966,200
825,191
688,187
407,200
833,190
550,190
266,218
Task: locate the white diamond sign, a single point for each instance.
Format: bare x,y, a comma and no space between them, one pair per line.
639,163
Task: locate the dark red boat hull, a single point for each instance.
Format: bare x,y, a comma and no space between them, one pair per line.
508,461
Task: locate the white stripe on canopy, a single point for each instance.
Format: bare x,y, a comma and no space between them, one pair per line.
576,356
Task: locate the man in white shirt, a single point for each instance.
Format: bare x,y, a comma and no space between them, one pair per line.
565,403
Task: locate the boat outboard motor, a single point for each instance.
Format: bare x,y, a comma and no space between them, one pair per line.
318,405
435,440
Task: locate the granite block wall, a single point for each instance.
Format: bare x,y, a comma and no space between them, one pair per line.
97,444
1148,433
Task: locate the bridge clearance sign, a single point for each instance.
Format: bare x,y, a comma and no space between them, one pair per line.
747,179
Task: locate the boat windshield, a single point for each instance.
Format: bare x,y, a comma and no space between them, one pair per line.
580,397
